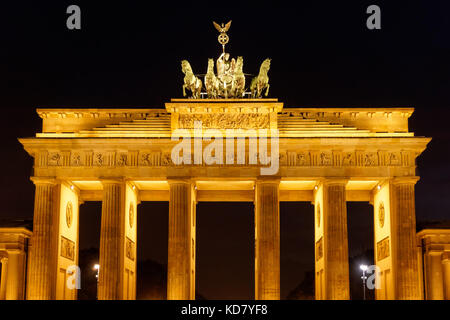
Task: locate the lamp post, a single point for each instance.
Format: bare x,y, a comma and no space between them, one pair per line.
96,267
363,267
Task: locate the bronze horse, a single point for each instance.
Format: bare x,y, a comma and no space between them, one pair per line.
191,82
261,82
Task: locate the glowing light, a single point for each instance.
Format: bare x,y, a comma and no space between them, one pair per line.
96,266
363,267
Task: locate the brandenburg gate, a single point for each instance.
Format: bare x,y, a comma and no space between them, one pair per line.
326,156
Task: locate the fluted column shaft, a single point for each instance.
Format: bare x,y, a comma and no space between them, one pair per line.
404,240
15,280
3,278
180,268
435,279
335,241
110,241
41,272
446,269
267,238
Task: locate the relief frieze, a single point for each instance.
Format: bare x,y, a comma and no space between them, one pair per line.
291,158
225,120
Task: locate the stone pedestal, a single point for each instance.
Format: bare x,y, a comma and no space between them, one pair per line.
181,260
403,228
41,275
267,241
111,241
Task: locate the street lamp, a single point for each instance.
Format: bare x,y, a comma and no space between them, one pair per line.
363,267
96,267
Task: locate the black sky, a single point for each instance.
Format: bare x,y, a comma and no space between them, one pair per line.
127,54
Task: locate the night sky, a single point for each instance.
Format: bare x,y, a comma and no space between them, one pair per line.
128,54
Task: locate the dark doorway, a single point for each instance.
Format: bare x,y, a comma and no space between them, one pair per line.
360,246
90,215
152,250
225,250
297,250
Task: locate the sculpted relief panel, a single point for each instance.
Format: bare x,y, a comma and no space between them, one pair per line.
69,214
348,159
225,120
54,159
383,249
121,159
319,249
77,159
67,248
148,158
129,249
381,215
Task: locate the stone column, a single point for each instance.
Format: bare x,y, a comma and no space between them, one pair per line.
41,277
267,240
446,269
15,280
435,275
181,263
403,229
111,241
335,241
3,278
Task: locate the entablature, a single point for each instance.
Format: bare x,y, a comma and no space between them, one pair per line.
225,114
296,156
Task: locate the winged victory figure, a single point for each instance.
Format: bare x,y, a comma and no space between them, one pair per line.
222,28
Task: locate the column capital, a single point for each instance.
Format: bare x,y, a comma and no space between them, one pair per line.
3,254
111,180
445,257
405,180
334,181
268,179
44,180
4,260
175,180
71,186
